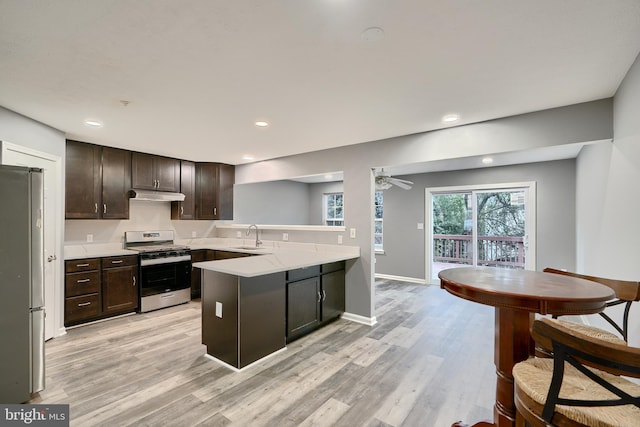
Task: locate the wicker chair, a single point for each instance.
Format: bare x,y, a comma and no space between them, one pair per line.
626,292
581,386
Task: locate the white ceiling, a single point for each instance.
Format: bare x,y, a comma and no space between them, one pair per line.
197,74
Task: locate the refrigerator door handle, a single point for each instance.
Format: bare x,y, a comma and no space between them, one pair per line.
37,241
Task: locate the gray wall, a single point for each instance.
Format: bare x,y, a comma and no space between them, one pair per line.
281,202
585,122
607,201
403,209
275,202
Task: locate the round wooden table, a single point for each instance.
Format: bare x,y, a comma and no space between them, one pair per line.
517,295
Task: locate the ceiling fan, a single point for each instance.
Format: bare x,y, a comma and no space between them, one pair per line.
385,181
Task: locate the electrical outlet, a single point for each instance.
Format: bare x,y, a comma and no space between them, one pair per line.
352,233
339,239
420,226
89,238
239,234
219,309
193,234
285,237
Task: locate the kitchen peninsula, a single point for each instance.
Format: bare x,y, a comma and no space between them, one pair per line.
252,306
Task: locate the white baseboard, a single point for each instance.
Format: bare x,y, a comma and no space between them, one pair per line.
369,321
401,278
233,368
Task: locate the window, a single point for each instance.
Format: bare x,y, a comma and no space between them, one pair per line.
377,229
333,209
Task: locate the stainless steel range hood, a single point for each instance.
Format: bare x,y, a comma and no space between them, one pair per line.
156,196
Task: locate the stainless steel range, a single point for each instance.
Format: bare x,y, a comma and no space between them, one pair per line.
165,269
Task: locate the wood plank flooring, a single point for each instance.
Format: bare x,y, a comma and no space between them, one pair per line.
427,362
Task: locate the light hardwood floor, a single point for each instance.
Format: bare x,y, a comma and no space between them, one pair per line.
427,362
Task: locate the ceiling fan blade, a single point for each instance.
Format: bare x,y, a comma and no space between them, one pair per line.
401,183
400,180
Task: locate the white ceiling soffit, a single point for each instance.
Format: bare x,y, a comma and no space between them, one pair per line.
560,152
190,79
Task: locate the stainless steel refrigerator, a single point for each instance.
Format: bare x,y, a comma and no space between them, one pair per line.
21,283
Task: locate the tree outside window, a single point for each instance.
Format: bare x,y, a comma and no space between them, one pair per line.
377,229
333,209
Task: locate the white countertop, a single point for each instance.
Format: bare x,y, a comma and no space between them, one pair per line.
273,256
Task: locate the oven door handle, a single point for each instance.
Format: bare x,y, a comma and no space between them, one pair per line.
172,260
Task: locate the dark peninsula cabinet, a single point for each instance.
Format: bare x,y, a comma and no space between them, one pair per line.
151,172
214,190
315,297
97,181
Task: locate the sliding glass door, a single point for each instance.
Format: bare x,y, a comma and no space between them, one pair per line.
480,226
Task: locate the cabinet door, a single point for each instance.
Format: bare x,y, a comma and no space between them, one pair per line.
197,255
303,307
167,174
142,174
82,181
206,190
116,183
187,208
226,179
119,289
332,295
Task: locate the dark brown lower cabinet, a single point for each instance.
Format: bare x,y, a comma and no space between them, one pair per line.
303,307
315,296
119,284
96,288
243,318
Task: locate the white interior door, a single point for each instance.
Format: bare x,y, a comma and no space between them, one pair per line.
50,164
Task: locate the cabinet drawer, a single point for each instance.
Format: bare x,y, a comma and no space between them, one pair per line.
303,273
81,308
87,264
333,266
119,261
82,283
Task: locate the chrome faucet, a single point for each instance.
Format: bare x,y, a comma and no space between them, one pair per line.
258,242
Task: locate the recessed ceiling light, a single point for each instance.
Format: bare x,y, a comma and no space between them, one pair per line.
262,123
93,123
248,157
450,118
487,160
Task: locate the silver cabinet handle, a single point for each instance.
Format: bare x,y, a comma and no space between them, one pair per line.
215,211
83,280
134,280
96,207
82,265
181,210
319,296
118,261
104,208
324,295
84,304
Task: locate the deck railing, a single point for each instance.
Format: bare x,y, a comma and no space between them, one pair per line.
492,250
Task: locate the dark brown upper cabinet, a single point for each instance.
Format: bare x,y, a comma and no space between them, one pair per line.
97,181
187,208
214,190
150,172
